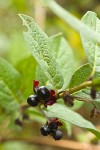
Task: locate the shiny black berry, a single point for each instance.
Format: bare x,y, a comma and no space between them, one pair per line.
45,130
57,134
43,93
33,100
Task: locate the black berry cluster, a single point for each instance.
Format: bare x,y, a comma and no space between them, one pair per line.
51,128
42,95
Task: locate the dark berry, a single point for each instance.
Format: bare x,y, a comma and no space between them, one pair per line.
25,117
33,100
57,134
93,93
43,93
45,130
18,122
53,126
68,99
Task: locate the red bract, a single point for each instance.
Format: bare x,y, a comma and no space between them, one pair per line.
55,120
35,85
52,99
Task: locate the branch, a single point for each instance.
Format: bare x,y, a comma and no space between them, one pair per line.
50,142
80,87
75,89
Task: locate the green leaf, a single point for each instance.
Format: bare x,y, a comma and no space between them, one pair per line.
92,49
77,105
55,42
68,115
27,69
64,55
80,75
7,99
40,76
66,61
96,83
9,75
85,93
39,45
72,21
17,49
68,128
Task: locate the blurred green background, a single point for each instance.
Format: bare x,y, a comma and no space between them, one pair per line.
14,49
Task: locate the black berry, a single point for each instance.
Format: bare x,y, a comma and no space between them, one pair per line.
53,126
45,130
43,93
57,134
33,100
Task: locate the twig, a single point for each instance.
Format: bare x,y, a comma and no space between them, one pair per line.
80,87
75,89
45,115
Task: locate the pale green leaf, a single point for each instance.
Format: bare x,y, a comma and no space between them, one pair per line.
7,99
68,128
92,49
55,42
81,75
68,115
40,76
74,22
66,61
64,55
9,75
39,45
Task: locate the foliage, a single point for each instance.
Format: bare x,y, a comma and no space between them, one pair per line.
35,36
54,65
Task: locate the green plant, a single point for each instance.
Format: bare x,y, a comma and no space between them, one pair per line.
56,70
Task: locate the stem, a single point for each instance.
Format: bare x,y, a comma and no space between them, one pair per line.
80,87
75,89
48,119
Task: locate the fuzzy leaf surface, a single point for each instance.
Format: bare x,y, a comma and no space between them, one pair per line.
80,75
40,76
39,45
92,49
64,55
7,99
9,75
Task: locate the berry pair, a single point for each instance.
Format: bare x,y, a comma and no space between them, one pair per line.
51,128
42,95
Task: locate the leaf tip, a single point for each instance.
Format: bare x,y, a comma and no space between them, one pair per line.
26,19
